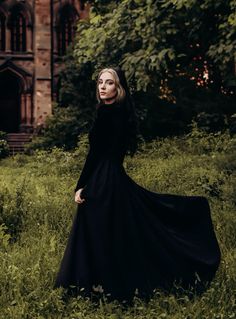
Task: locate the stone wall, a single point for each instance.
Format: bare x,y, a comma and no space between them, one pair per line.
38,67
42,61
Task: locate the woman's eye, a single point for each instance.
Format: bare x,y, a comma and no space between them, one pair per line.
110,83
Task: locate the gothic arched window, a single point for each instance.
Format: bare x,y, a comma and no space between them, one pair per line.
18,31
2,32
66,28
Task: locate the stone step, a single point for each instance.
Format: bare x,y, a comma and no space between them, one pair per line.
16,142
17,137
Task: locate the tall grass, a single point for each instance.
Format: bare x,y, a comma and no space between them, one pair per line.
37,207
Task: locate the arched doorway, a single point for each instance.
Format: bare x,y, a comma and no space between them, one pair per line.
10,104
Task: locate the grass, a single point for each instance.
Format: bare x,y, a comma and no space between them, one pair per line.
37,207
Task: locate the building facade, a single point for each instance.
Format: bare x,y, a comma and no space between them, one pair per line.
34,35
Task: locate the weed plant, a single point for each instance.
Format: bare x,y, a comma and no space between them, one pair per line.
37,207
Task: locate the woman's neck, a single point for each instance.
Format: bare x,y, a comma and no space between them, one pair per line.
110,101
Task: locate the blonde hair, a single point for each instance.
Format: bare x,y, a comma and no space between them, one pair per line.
120,90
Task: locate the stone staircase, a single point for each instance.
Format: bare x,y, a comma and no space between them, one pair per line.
16,142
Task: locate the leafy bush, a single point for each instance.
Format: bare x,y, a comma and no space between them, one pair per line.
4,237
4,148
12,211
211,122
74,111
61,130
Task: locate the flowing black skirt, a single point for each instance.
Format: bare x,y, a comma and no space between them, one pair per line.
126,239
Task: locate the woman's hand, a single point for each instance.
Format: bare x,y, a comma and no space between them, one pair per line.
78,199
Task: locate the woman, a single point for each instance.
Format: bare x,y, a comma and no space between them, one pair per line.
126,240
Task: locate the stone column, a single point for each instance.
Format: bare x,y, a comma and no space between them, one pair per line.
28,109
8,40
23,112
55,49
23,109
29,47
42,59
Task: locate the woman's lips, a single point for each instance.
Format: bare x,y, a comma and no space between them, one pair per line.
102,93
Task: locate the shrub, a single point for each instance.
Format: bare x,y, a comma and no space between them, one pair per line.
12,210
4,148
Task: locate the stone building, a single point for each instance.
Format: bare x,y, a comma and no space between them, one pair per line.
34,35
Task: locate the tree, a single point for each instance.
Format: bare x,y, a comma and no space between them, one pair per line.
167,48
154,37
178,56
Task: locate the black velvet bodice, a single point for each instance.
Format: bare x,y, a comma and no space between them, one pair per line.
107,139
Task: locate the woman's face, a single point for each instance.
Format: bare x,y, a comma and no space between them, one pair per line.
107,87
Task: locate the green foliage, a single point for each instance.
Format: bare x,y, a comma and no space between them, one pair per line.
222,48
3,135
4,148
164,48
74,81
39,190
11,209
74,111
152,38
4,237
61,129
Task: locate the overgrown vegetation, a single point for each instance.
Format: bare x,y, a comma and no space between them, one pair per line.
73,113
178,57
37,207
4,148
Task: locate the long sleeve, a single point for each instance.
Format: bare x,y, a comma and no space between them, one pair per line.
92,156
106,138
89,166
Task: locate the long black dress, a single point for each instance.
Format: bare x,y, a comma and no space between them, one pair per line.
127,239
